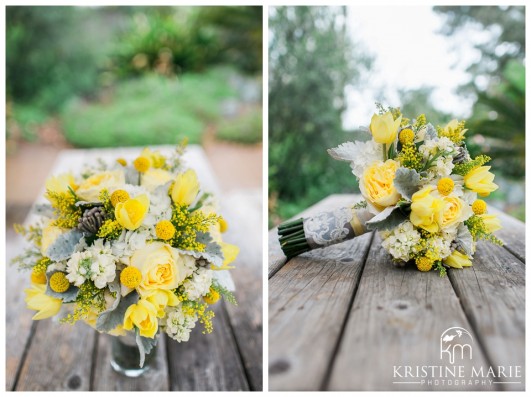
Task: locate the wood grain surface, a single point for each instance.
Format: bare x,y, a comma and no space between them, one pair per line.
346,328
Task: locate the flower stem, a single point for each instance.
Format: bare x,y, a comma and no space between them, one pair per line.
384,146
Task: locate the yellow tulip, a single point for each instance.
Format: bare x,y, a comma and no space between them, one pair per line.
230,252
480,180
143,315
185,188
458,260
132,212
492,222
160,299
426,210
377,186
384,128
157,160
36,299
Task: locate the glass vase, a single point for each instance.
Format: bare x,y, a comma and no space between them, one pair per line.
125,356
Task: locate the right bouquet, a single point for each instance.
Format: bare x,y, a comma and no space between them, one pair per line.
420,188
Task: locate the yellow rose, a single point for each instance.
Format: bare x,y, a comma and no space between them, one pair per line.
61,183
132,212
458,260
155,177
143,315
480,180
492,223
45,305
49,235
185,188
162,267
384,128
455,211
377,185
91,188
157,160
426,210
161,298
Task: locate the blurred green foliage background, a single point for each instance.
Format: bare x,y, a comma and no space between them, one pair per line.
313,60
115,76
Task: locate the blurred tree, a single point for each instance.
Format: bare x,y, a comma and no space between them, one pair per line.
505,39
312,59
417,101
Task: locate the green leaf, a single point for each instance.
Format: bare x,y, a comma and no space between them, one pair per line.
389,218
407,182
111,318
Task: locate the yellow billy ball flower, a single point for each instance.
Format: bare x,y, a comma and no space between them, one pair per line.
119,196
406,136
38,276
445,186
212,297
122,162
130,277
424,264
59,282
384,128
142,163
165,230
479,207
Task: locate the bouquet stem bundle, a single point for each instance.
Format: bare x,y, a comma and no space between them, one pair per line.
292,238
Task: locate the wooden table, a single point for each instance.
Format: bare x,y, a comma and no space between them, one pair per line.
43,355
343,317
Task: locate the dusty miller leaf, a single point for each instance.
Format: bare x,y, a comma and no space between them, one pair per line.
431,133
345,152
111,318
45,210
64,245
464,240
406,182
389,218
144,346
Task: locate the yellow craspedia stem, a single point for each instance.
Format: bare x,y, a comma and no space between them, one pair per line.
424,264
445,186
142,164
406,136
59,283
119,196
165,230
130,277
122,162
479,207
38,276
212,297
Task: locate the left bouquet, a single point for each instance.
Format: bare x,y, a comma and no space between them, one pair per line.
129,249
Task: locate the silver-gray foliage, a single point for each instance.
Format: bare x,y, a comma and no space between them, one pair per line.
64,245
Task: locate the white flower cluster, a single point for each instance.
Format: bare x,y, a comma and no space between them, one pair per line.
179,324
443,165
199,284
95,263
400,242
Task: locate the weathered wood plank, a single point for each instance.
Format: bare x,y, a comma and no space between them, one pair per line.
492,294
18,317
243,212
397,318
512,233
106,379
277,259
207,362
59,358
309,300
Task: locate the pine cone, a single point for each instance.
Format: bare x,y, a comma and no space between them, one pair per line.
462,156
92,220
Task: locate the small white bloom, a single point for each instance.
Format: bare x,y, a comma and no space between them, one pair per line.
199,284
401,241
178,325
96,263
